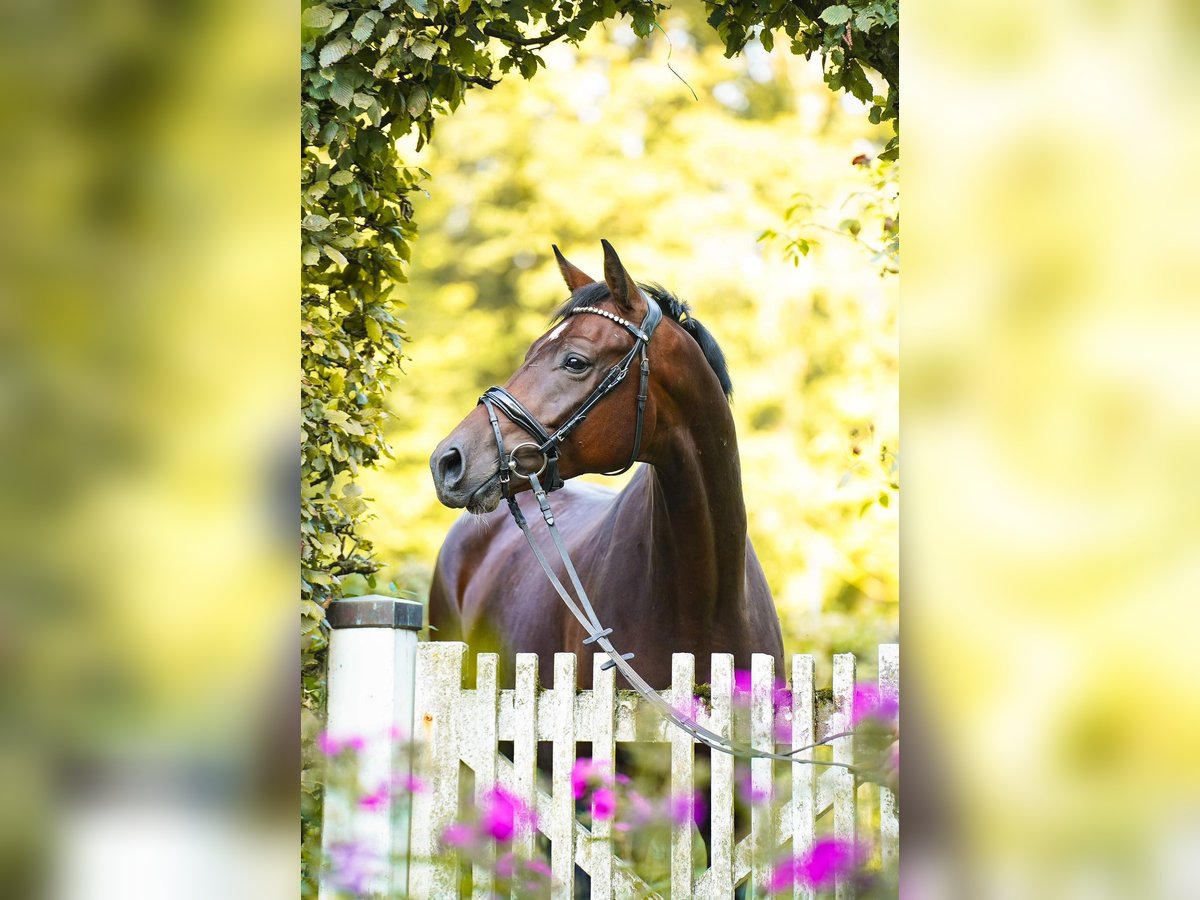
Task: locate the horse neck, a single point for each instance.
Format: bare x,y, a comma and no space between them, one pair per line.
698,514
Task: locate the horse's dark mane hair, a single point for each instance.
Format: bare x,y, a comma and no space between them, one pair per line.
597,292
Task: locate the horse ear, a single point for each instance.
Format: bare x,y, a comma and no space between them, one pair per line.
573,276
624,289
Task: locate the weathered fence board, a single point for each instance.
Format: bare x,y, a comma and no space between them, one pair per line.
457,725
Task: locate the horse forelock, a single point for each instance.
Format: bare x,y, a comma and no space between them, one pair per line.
672,307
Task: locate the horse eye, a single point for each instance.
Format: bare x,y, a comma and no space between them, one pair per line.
575,364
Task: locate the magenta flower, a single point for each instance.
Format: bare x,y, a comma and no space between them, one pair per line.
825,861
412,784
684,808
604,804
331,746
457,835
375,800
505,866
869,703
741,681
587,774
503,813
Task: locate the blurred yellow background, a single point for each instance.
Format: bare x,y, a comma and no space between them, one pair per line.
1051,410
609,143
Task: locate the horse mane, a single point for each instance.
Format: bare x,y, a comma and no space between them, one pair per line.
672,306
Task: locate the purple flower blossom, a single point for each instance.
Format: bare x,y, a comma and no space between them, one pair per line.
331,746
352,867
604,804
741,681
588,774
869,703
503,813
412,784
825,861
375,800
684,808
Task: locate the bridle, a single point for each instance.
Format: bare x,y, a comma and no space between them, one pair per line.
547,443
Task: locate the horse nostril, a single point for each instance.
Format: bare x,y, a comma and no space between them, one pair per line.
450,467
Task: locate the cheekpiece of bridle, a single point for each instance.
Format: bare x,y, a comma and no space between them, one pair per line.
545,442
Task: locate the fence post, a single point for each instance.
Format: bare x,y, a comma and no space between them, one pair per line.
372,680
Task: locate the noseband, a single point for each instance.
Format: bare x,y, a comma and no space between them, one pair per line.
547,443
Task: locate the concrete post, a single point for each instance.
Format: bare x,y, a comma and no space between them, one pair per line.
372,681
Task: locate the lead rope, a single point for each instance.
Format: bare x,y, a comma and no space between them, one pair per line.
598,635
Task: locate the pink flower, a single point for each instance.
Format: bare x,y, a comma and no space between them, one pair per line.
503,813
537,867
588,774
869,703
327,744
688,809
505,866
457,835
825,861
741,681
604,804
412,784
375,800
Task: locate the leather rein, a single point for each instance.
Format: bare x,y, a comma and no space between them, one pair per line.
547,444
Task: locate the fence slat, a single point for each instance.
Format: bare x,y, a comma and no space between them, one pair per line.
481,729
604,753
720,802
845,804
803,825
562,815
889,815
439,686
525,704
762,788
683,684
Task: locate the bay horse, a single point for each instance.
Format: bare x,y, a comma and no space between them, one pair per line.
667,561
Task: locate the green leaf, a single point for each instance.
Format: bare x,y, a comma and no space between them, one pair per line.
336,255
314,222
310,255
341,177
423,49
363,100
420,6
416,101
319,16
341,92
335,50
836,15
365,26
374,330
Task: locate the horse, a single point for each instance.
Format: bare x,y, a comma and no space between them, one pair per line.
667,561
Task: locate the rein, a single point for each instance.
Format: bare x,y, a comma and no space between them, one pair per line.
547,444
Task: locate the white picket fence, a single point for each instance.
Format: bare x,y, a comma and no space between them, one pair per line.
455,725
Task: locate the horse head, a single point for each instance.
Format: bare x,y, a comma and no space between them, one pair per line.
570,403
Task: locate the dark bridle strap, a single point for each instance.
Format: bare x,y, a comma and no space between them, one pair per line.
548,443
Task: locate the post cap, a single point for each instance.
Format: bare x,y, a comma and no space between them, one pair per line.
375,611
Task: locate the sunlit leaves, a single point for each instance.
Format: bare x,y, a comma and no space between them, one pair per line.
836,15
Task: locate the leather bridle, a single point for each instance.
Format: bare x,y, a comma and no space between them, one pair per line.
547,443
